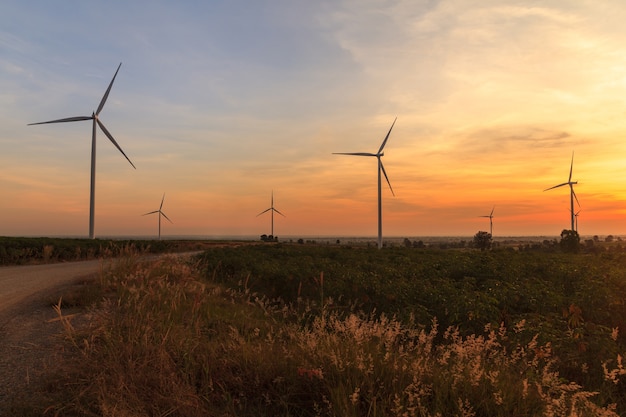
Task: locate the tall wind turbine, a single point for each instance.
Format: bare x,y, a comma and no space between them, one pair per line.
272,210
378,155
160,214
572,195
490,216
96,120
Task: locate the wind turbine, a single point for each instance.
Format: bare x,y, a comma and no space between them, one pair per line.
160,214
96,120
572,193
576,220
378,155
272,210
490,216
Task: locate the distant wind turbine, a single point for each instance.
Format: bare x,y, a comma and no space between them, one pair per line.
378,155
96,120
576,220
572,193
160,214
490,216
272,210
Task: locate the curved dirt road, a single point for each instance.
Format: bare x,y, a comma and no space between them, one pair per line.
29,333
19,282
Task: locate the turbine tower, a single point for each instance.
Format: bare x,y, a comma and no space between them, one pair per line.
272,210
572,195
96,120
381,168
160,214
490,216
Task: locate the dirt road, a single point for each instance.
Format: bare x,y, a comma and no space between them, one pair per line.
17,283
29,340
30,337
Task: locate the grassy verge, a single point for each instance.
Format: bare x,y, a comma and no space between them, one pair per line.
212,339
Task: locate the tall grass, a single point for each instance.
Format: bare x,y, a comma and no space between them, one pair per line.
171,343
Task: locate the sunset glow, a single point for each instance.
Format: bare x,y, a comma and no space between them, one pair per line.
220,103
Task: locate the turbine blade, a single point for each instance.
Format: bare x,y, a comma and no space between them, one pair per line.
494,207
279,212
106,132
106,94
264,211
168,219
152,212
575,197
556,186
355,153
387,178
571,168
67,119
387,137
161,206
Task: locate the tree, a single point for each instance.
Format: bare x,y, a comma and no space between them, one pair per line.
482,240
570,241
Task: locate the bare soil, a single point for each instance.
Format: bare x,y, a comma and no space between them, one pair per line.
32,344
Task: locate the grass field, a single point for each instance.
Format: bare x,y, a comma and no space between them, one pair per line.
314,330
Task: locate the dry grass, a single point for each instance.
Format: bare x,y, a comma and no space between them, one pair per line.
171,344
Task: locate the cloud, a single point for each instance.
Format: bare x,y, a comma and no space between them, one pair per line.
503,140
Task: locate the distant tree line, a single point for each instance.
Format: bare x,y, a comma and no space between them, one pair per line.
569,242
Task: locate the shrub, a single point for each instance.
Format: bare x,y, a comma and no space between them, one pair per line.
570,241
482,240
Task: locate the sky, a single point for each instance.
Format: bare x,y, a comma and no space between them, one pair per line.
221,103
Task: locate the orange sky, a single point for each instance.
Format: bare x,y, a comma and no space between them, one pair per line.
218,105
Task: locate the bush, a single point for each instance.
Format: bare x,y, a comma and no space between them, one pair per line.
482,240
570,241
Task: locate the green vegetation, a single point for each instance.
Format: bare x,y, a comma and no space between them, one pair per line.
308,330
